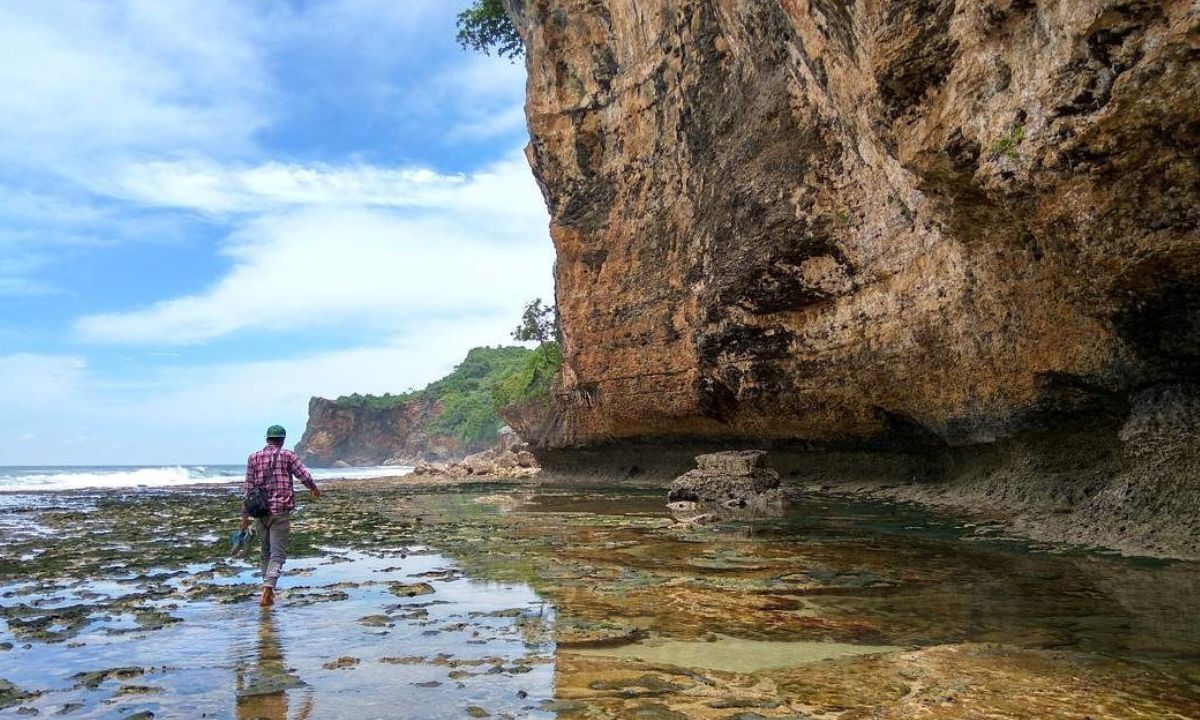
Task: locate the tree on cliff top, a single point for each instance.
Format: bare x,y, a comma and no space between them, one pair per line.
533,381
486,26
539,323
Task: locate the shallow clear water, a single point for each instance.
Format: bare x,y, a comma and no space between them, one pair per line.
200,665
576,603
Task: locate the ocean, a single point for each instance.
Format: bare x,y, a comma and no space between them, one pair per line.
124,477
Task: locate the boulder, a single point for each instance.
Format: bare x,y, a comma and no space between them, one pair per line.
427,468
733,462
526,459
507,438
730,479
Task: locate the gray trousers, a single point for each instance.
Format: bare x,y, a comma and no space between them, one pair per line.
275,532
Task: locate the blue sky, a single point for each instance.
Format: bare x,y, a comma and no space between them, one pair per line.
211,211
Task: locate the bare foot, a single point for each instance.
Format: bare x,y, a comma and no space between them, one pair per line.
268,597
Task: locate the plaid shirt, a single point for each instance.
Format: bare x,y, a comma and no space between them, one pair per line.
282,498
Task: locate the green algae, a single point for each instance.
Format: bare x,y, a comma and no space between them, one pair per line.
411,589
645,618
93,678
11,695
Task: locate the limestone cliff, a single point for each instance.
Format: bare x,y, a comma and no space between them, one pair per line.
373,436
962,230
923,220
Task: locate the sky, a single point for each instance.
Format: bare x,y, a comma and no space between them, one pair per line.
212,210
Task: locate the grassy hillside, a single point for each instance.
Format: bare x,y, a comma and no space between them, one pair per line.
471,395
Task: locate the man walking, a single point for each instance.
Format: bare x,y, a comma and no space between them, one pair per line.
272,468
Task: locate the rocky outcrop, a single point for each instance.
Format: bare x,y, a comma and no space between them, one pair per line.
732,479
346,435
500,462
907,223
959,235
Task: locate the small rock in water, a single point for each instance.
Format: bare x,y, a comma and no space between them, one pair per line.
268,682
345,661
736,479
91,680
138,689
411,589
407,660
477,712
12,695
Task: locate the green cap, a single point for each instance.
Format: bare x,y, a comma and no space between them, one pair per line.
276,431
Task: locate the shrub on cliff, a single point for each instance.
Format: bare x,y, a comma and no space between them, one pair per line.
468,394
532,380
468,408
486,26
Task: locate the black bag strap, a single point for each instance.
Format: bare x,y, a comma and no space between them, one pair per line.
271,470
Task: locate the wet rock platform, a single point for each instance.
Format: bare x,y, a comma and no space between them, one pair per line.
543,601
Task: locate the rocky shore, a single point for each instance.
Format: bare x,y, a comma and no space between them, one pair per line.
531,599
488,464
1092,485
939,251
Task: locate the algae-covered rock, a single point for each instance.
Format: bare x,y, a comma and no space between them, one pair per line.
577,633
411,589
342,663
733,479
375,621
12,695
268,682
93,678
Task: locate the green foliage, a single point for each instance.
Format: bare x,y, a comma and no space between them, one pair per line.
468,394
1006,144
487,380
532,380
486,26
539,323
386,401
468,408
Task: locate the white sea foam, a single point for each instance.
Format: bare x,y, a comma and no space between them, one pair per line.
359,473
49,479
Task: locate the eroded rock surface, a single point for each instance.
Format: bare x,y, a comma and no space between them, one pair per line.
913,225
512,462
373,436
824,220
730,479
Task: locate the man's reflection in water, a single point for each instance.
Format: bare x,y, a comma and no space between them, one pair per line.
263,681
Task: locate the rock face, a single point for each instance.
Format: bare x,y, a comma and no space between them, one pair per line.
730,479
908,222
338,434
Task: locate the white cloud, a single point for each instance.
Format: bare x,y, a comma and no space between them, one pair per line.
344,254
86,82
500,124
154,122
31,381
211,413
505,189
